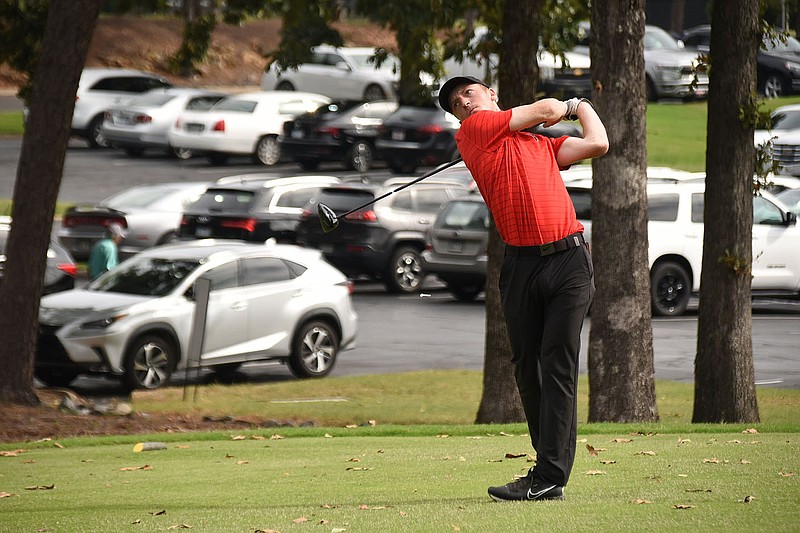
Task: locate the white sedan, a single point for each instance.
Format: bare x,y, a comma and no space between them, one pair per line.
242,124
136,321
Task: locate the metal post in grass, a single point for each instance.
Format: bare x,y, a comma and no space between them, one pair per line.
202,288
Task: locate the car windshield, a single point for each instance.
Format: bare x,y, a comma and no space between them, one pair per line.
786,120
464,215
776,44
658,39
138,197
224,200
791,197
145,276
344,199
234,104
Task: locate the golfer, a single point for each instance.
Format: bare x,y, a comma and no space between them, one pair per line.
546,281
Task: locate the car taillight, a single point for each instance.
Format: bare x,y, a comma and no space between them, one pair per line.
305,214
431,129
143,119
184,220
219,126
363,216
178,123
247,224
72,221
351,287
333,132
70,269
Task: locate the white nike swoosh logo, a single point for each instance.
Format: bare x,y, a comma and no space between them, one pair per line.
533,495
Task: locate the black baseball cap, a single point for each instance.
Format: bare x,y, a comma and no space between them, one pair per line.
451,85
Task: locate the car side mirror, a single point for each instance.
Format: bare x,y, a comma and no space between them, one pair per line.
791,218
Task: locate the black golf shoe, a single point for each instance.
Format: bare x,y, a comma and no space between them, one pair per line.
527,489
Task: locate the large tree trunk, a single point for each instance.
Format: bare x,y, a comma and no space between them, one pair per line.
621,370
724,377
517,75
69,28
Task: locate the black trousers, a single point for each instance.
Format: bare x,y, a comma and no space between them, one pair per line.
545,300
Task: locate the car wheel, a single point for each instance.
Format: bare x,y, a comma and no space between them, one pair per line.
374,92
56,377
307,163
314,350
405,272
652,93
773,86
149,362
268,151
465,293
360,157
402,166
218,159
181,153
284,86
670,289
96,138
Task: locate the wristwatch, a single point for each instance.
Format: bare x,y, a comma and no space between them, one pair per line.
572,107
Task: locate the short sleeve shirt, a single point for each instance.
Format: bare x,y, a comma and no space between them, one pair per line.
102,257
518,176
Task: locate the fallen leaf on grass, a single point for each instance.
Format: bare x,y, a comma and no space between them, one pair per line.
639,501
591,449
137,521
698,490
515,455
238,437
338,530
12,453
372,423
608,462
41,487
158,513
786,474
504,434
300,520
351,426
242,462
735,441
358,468
57,445
747,499
646,452
258,437
6,494
744,462
276,437
354,460
750,431
621,440
443,436
131,468
683,506
595,472
180,526
683,441
712,461
266,531
455,527
328,436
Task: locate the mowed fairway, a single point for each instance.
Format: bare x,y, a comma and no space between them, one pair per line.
267,480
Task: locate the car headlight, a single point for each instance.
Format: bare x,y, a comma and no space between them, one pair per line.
103,323
670,73
794,68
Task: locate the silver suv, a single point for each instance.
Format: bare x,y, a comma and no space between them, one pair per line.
99,89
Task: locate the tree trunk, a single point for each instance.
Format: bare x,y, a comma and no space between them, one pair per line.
517,75
724,376
621,369
69,28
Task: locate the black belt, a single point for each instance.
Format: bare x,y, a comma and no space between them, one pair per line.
570,241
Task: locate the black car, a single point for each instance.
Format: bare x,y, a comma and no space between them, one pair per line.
336,133
60,272
778,61
412,137
253,207
384,240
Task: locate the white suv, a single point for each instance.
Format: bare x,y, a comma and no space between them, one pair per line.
675,234
99,89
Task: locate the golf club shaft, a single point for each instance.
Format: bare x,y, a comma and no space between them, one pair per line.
405,186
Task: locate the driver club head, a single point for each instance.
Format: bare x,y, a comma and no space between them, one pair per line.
327,218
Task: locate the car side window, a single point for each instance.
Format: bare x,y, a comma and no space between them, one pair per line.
662,207
201,103
430,200
403,201
223,277
765,212
582,201
258,270
698,203
297,198
116,84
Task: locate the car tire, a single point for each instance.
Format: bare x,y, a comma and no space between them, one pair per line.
465,293
181,153
284,86
374,92
307,163
402,166
149,362
773,86
360,157
314,350
56,377
405,272
268,151
95,137
670,289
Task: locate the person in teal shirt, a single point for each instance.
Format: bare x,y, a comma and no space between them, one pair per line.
105,255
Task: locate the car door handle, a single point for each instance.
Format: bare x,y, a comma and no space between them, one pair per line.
424,221
239,306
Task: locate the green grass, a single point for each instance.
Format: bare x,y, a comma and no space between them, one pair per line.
382,475
11,123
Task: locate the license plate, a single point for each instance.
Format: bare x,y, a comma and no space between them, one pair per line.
398,135
202,231
298,134
455,247
195,127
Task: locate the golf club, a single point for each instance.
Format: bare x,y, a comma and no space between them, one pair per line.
329,220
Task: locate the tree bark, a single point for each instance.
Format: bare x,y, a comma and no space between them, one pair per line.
621,369
724,376
517,75
69,28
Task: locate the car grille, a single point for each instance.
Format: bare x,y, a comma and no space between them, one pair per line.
786,154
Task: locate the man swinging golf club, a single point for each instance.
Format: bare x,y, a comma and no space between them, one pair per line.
546,281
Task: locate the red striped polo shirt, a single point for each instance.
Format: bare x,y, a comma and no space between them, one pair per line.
518,176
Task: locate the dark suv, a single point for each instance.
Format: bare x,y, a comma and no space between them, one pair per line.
253,207
385,240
